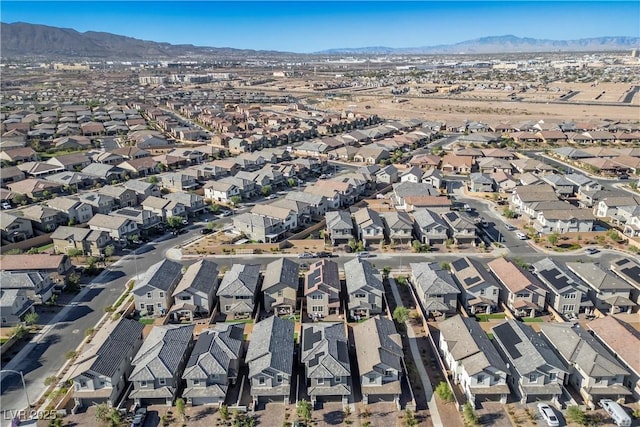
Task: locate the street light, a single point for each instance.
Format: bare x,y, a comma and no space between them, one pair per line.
24,386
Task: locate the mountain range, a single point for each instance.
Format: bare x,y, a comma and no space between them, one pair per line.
18,40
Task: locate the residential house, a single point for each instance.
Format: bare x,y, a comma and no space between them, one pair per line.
481,183
214,364
14,228
364,289
480,293
322,289
404,190
568,220
462,229
398,227
380,359
325,355
258,227
14,305
9,174
524,196
339,227
369,226
194,296
628,270
143,189
454,164
238,289
522,293
246,187
474,362
433,177
144,219
536,373
178,181
280,287
104,172
42,217
87,241
153,290
164,208
270,359
159,364
413,174
505,182
221,191
567,294
623,341
123,196
193,203
435,288
37,285
609,293
593,371
55,266
387,175
101,371
563,186
429,227
286,216
71,180
317,203
35,188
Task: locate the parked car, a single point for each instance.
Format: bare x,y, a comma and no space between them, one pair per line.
6,205
325,254
139,417
206,231
520,235
364,255
225,213
306,255
509,227
591,251
547,414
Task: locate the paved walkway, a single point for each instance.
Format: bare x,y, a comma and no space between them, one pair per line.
417,359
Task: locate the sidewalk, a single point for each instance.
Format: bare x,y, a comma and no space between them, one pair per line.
417,359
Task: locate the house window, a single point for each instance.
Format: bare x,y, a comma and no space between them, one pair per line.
481,291
159,305
523,295
161,294
227,308
196,382
571,296
389,373
162,381
568,307
495,292
533,378
83,383
143,384
141,306
279,378
359,295
337,380
320,381
261,380
553,377
480,378
372,380
317,309
148,294
316,296
280,293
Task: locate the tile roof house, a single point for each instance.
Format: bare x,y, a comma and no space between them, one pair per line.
566,219
14,305
524,196
523,294
153,291
325,355
380,359
608,292
536,373
435,288
593,371
159,364
473,360
100,372
270,359
214,364
479,290
194,296
364,288
238,290
280,287
568,295
623,341
322,289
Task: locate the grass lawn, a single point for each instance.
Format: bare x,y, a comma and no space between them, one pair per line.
147,321
487,317
45,247
239,321
532,319
3,340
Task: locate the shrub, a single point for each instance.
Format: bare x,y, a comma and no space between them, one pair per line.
470,416
576,415
401,314
444,392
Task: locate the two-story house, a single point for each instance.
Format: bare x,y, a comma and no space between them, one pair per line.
473,361
369,226
14,228
37,285
480,293
153,291
593,371
627,269
164,208
536,373
260,228
214,364
221,191
238,289
567,294
429,228
14,305
90,242
143,189
119,228
100,372
193,203
462,228
608,292
71,209
123,196
339,227
194,296
325,355
364,288
280,287
398,226
522,293
322,289
379,354
158,365
100,203
435,288
270,359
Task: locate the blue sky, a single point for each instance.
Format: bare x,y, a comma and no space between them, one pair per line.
310,26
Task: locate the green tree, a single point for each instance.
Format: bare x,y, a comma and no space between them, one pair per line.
291,182
224,412
410,419
416,245
20,199
175,222
353,244
235,200
385,272
180,406
109,251
303,410
31,318
576,415
553,238
470,416
444,392
360,246
214,208
19,331
153,179
401,314
445,266
102,412
74,252
71,222
50,380
161,167
266,190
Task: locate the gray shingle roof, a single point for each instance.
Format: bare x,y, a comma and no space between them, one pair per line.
201,276
433,279
118,345
241,279
161,352
377,341
325,350
271,346
360,274
281,271
161,275
214,351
